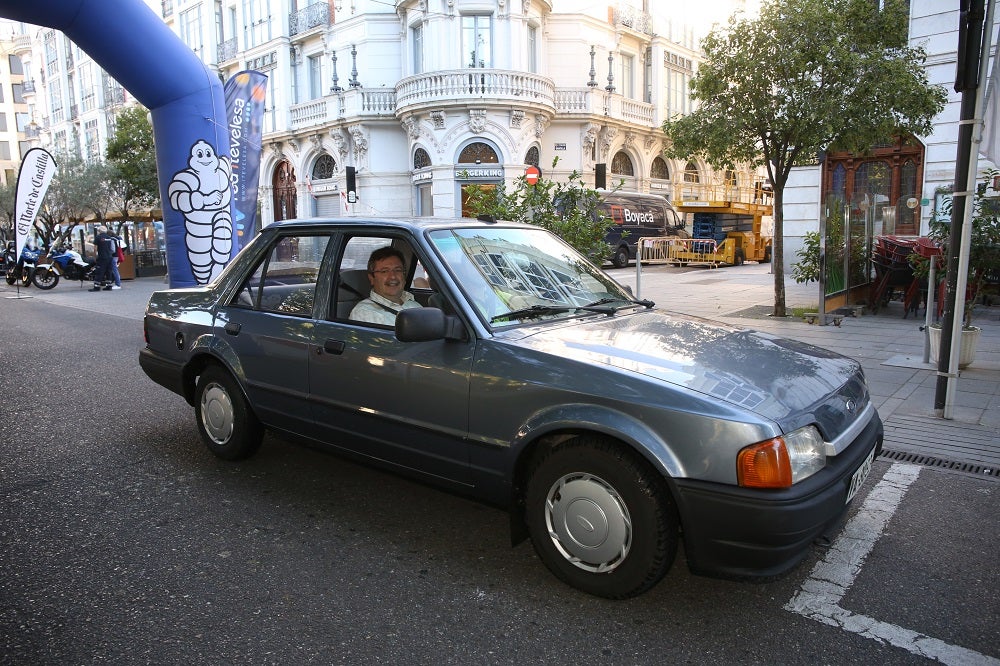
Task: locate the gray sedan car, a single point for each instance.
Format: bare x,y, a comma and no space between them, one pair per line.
531,380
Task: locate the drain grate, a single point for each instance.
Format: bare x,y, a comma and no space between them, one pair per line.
932,461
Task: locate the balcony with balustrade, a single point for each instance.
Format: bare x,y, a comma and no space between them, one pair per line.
464,87
472,87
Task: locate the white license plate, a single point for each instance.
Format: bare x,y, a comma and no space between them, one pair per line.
859,476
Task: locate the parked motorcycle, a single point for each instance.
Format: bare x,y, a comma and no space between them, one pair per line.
24,269
63,262
7,258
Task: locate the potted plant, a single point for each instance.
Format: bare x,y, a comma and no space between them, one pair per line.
984,258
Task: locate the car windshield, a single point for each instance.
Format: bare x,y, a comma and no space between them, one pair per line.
514,275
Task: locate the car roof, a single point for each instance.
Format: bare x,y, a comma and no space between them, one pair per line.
412,224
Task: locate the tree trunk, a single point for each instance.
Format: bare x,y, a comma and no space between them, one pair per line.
778,250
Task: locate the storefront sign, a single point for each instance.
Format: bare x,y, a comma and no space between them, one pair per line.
421,177
478,173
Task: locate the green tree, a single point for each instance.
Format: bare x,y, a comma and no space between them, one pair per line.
132,183
804,77
78,191
8,191
568,209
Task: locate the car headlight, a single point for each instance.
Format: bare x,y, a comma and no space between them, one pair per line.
782,461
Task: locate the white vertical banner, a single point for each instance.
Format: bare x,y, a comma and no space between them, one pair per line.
37,169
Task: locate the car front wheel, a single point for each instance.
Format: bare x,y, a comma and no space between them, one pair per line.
226,423
601,518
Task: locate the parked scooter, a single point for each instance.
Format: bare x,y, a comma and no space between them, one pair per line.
24,269
64,262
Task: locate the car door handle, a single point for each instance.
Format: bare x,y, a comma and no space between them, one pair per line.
334,346
232,328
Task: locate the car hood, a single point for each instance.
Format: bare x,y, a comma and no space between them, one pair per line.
787,381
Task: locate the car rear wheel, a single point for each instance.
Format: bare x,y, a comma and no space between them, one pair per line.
620,258
226,423
601,518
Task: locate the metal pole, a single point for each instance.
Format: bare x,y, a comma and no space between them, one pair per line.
638,267
965,237
928,312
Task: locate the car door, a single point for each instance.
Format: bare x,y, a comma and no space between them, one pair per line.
406,404
268,326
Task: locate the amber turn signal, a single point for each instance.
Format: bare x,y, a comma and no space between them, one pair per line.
764,465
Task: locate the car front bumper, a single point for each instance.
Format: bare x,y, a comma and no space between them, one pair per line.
732,531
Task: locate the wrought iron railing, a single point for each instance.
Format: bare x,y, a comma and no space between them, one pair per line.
227,50
308,18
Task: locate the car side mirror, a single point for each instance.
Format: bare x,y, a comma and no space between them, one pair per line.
426,324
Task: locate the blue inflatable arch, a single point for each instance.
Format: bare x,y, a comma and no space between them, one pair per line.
187,104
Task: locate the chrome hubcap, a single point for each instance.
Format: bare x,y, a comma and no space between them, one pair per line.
217,413
588,522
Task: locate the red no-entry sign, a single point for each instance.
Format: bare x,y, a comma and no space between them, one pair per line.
532,174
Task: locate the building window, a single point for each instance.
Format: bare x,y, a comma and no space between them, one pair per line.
477,40
315,76
887,178
15,64
621,164
92,142
257,23
3,122
659,169
626,75
283,184
532,156
532,49
18,93
417,32
51,53
478,153
421,160
4,150
190,29
425,201
324,168
22,119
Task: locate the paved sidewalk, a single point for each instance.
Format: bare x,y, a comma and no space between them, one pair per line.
889,347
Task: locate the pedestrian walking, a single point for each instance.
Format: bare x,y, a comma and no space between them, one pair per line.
119,257
104,243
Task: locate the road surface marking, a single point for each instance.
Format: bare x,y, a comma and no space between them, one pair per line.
820,594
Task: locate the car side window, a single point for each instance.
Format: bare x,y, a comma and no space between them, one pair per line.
285,280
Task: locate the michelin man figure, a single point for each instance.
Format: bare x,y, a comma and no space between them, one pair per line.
202,193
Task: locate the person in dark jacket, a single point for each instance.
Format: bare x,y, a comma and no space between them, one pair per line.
105,245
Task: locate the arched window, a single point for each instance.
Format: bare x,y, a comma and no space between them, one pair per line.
889,175
421,159
621,164
691,173
659,169
730,178
532,156
324,168
478,153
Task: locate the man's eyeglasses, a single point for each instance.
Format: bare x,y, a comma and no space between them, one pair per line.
388,271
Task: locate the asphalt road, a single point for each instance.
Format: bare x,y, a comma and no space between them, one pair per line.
123,541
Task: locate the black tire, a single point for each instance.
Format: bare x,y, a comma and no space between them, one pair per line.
767,255
622,503
11,277
620,257
227,425
739,257
45,279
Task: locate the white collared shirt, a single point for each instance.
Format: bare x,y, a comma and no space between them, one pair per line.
371,309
